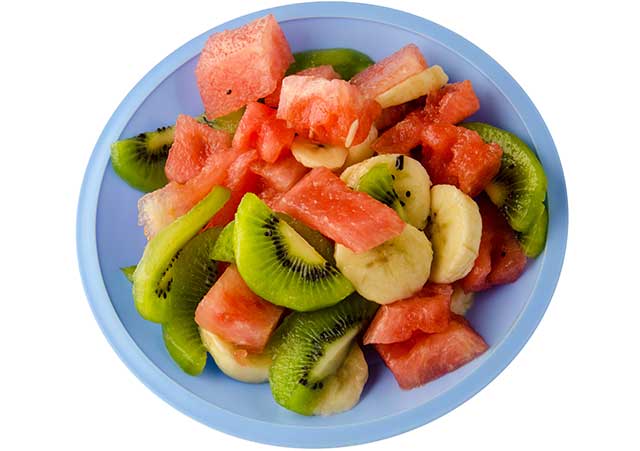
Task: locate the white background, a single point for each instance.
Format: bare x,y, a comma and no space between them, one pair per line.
64,69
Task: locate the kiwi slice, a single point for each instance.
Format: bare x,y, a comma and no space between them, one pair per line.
346,62
378,183
317,240
223,249
140,160
520,187
534,239
314,345
193,273
227,123
153,277
128,272
279,265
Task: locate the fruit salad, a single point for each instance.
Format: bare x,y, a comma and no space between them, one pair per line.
323,203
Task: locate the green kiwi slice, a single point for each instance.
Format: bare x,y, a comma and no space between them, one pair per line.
346,62
520,187
223,249
128,272
279,265
378,183
313,346
140,160
534,239
153,277
194,272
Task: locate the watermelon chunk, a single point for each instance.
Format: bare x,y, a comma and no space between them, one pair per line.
325,72
501,258
387,73
427,311
458,156
160,208
240,180
242,65
234,313
325,110
452,103
403,136
392,115
193,142
282,174
260,129
354,219
425,357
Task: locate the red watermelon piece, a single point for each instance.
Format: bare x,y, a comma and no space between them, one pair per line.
282,174
240,180
159,208
271,197
260,129
427,311
458,156
234,313
193,142
392,70
501,259
426,357
325,72
452,103
325,110
351,218
242,65
392,115
403,136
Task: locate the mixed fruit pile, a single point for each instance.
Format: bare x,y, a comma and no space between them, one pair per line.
322,203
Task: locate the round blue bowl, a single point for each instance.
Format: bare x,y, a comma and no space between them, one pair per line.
109,238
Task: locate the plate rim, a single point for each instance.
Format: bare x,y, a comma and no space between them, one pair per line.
302,436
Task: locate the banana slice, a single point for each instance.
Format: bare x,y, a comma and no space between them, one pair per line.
315,155
461,301
252,368
342,390
413,87
394,270
361,151
455,230
411,183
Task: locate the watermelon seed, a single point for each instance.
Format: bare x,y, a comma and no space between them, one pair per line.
229,91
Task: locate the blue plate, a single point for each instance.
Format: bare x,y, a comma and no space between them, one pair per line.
108,238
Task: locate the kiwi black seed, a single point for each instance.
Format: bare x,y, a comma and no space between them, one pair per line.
520,187
279,265
312,347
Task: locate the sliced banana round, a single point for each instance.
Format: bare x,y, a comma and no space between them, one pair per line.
410,181
343,389
394,270
413,87
315,155
455,229
252,368
362,151
461,301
